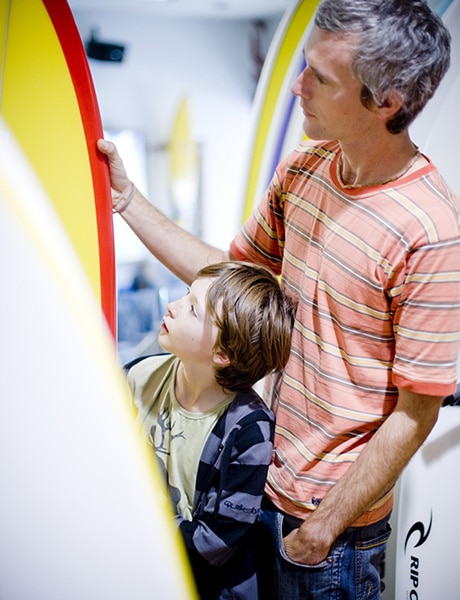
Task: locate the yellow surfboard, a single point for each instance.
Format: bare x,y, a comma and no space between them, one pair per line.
184,170
48,101
83,512
276,125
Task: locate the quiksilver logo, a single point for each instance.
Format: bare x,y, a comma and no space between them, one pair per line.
417,535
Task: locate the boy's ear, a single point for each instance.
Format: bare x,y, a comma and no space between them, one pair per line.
220,358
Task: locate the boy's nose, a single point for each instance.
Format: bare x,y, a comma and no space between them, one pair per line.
174,307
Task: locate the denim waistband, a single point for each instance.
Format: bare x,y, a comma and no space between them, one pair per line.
358,533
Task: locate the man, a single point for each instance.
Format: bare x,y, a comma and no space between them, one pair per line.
365,234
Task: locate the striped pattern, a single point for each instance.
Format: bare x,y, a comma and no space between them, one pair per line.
376,272
229,482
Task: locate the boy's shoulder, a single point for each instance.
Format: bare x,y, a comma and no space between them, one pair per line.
145,370
149,361
249,404
249,416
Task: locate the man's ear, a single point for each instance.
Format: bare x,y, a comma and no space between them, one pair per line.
391,105
220,358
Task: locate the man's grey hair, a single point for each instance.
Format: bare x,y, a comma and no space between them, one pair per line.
400,45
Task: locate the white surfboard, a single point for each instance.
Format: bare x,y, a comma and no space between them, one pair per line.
440,121
83,513
428,526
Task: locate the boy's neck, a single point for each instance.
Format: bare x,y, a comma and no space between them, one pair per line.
196,388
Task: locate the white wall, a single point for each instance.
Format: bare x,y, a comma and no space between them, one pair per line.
166,59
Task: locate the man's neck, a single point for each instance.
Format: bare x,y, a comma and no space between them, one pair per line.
377,163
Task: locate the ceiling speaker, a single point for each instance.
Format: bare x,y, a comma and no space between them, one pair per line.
104,51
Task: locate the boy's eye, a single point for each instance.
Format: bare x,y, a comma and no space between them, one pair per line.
192,307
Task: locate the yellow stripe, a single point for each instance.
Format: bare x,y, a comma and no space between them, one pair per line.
310,456
336,411
442,277
4,13
418,213
427,336
40,106
275,87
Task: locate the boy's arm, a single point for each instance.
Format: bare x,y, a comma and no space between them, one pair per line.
181,252
219,528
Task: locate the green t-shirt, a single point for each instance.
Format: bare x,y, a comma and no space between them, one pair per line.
177,435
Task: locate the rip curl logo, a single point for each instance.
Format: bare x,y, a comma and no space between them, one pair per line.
421,533
419,528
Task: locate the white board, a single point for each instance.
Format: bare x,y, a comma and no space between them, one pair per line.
427,565
82,510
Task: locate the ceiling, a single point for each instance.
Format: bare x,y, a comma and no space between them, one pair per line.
245,9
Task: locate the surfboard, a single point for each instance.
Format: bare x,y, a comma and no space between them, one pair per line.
276,127
83,512
427,525
48,100
440,121
184,170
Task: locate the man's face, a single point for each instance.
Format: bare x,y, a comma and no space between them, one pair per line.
330,95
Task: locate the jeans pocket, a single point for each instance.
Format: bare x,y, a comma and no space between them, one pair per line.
282,550
369,554
378,540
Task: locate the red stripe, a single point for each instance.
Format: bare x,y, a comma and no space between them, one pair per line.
74,53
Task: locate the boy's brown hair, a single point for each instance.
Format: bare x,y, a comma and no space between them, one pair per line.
254,318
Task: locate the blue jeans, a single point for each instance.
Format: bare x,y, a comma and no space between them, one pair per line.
350,572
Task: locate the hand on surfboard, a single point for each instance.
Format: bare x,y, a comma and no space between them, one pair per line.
121,184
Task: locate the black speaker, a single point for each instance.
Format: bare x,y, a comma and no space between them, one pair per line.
104,50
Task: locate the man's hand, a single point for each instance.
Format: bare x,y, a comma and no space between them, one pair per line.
121,185
373,473
306,548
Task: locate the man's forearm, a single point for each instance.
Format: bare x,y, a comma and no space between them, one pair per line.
372,475
181,252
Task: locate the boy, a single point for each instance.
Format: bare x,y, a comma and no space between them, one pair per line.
211,432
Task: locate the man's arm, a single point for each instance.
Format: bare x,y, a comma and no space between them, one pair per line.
370,477
180,251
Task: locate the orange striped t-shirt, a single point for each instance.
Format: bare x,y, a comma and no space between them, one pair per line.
376,272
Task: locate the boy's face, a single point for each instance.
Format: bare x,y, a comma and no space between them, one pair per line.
187,331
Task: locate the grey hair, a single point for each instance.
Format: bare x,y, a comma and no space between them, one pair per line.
401,45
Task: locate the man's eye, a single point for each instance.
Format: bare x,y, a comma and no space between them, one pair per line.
320,79
192,309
